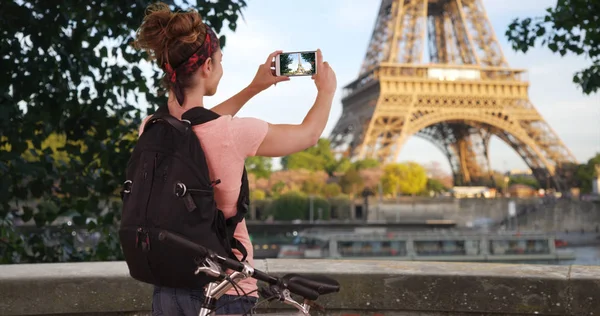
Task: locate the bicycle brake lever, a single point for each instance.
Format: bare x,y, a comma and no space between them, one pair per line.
272,293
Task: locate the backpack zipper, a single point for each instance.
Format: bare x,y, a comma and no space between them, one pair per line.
142,237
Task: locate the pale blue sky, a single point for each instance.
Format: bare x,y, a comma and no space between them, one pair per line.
342,29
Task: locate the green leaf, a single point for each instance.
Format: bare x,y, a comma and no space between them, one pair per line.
79,220
91,225
27,214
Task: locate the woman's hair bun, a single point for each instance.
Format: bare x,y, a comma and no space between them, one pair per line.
164,33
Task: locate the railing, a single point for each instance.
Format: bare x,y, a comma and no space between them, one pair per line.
441,72
368,287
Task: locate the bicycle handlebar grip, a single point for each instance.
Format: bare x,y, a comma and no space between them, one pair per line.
302,291
232,264
259,275
183,242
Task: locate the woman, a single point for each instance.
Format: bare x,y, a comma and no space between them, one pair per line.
188,51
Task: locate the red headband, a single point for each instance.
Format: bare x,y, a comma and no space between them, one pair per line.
192,63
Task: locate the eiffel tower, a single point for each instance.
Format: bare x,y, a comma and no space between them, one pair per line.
466,94
300,69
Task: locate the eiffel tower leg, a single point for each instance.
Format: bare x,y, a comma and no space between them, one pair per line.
541,154
466,148
441,136
478,159
347,136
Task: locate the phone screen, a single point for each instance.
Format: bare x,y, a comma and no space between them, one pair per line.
297,63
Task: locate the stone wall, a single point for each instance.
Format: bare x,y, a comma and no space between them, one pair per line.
544,215
572,216
368,288
462,211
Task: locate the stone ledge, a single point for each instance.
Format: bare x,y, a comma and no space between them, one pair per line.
368,287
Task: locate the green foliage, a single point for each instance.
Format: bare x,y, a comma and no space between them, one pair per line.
257,195
259,166
285,61
341,207
528,181
69,107
312,186
572,26
309,58
406,178
305,160
351,182
365,164
277,188
586,173
321,158
316,158
435,185
294,205
332,190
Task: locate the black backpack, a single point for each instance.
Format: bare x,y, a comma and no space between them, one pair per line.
168,188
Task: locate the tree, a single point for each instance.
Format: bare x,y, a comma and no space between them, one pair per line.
351,182
309,58
339,166
277,189
572,26
332,190
257,195
434,171
313,186
435,185
406,178
315,158
285,60
525,180
305,160
294,205
390,181
586,173
259,166
71,72
367,163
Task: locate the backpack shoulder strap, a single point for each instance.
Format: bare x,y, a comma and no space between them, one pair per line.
162,114
243,205
200,115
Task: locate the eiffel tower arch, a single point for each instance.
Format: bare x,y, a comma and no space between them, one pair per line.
463,96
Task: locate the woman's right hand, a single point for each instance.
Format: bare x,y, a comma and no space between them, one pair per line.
325,79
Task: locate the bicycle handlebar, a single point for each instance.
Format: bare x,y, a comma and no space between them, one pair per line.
228,263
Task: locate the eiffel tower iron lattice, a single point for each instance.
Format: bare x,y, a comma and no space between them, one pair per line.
300,69
465,95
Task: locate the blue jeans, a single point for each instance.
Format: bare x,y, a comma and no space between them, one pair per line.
183,302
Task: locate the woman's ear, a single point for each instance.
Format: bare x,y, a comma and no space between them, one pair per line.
207,67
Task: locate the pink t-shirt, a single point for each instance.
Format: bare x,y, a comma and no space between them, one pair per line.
227,142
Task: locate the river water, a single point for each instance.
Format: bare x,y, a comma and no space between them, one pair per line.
589,255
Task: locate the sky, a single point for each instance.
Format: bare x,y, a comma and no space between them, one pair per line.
342,30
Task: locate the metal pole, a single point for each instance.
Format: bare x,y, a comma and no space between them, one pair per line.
311,208
379,200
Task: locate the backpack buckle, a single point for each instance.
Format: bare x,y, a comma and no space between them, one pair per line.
180,189
127,186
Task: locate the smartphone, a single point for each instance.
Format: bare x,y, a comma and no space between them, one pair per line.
293,64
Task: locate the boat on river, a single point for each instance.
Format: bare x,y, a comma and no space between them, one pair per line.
448,245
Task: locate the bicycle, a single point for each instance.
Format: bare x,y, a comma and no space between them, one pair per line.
309,287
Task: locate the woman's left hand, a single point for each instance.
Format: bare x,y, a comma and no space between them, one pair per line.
265,76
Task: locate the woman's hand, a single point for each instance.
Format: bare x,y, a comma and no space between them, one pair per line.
325,78
265,76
